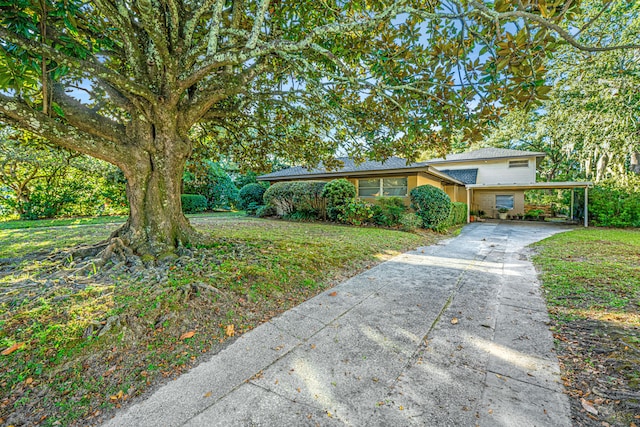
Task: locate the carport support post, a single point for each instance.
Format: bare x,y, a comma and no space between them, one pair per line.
573,193
468,205
586,206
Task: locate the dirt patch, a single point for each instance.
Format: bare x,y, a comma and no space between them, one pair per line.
600,363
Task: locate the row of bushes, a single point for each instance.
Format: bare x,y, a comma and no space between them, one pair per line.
616,203
336,200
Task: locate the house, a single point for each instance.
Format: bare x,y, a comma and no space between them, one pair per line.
486,179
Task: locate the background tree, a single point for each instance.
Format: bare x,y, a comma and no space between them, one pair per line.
41,181
590,125
130,81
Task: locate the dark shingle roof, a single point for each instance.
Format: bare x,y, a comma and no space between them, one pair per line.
468,176
398,163
486,154
349,166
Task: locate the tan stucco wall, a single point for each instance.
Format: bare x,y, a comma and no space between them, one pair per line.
496,171
486,201
424,179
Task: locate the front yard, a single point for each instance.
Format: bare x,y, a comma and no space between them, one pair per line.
74,348
591,279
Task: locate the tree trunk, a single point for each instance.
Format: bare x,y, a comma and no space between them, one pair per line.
635,162
156,224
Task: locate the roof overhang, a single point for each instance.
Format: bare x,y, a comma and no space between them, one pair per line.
532,186
358,174
487,159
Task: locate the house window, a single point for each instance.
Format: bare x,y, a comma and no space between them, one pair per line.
374,187
504,201
518,163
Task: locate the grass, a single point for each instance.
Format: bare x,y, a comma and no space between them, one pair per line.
591,279
89,345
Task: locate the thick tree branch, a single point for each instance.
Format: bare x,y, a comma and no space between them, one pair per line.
19,114
257,23
192,23
207,98
122,17
125,85
86,119
214,31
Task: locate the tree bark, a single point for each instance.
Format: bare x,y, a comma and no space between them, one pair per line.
635,162
156,224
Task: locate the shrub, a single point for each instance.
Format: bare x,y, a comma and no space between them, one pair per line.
211,180
431,204
616,204
264,211
297,196
409,221
356,212
250,198
338,193
193,203
390,211
458,214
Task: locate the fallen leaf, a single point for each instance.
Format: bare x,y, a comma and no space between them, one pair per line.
454,321
28,381
8,351
633,424
333,294
117,396
313,346
230,330
187,335
588,407
207,394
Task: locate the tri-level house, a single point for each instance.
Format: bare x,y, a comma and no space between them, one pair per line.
486,179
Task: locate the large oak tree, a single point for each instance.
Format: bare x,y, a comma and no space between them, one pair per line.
136,82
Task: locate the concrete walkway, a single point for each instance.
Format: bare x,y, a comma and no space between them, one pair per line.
454,334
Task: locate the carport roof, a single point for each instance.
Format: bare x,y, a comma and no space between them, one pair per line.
532,186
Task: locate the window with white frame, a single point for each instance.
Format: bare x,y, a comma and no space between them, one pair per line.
375,187
504,201
518,163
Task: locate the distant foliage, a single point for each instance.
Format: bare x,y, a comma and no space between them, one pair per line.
338,193
297,196
250,198
193,203
432,205
211,180
390,211
616,204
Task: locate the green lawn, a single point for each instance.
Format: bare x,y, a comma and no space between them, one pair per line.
253,270
591,279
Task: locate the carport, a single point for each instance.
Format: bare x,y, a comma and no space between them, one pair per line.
566,185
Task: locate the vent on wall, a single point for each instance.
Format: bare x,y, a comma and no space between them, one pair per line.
518,163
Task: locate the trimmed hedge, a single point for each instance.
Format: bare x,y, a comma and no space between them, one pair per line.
432,205
458,214
390,211
193,203
250,198
339,193
297,196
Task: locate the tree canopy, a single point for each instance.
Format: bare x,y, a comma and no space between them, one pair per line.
134,82
590,124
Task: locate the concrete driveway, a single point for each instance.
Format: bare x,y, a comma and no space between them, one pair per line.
454,334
